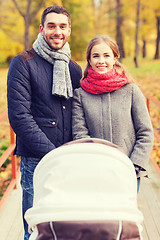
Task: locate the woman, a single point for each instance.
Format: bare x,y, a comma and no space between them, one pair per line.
110,106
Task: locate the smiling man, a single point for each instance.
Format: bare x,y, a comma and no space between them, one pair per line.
56,29
40,89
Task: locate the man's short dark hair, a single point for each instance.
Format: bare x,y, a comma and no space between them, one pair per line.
56,9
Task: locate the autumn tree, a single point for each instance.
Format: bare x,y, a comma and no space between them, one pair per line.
82,16
11,29
119,24
158,38
89,17
137,32
103,19
28,9
109,21
157,15
147,23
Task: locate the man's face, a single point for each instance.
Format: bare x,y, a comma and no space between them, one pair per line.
56,30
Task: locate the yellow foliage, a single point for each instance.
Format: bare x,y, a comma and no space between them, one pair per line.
87,21
8,47
4,175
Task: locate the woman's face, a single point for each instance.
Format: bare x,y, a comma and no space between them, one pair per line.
102,58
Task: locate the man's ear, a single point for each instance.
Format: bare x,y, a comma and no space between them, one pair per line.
69,30
41,29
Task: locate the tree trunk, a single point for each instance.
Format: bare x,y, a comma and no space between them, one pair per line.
144,49
26,33
158,38
28,17
119,37
136,35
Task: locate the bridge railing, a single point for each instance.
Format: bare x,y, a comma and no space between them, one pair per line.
150,99
3,158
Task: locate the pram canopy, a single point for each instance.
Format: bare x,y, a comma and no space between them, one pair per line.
90,179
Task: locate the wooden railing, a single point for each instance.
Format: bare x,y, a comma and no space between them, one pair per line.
3,158
9,151
156,102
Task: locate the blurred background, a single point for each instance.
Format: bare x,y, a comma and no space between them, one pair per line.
135,25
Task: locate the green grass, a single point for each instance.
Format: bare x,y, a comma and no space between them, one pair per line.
147,68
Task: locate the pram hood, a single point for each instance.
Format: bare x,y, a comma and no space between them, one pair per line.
84,181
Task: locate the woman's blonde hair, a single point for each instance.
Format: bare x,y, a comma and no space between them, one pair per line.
114,47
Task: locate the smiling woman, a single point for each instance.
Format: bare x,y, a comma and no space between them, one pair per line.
102,58
107,100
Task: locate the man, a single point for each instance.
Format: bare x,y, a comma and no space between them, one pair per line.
40,89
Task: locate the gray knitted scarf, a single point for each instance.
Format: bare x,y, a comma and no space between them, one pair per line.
62,85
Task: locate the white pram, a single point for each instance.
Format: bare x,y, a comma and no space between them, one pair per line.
85,190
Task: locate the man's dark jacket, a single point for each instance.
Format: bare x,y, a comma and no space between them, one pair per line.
40,120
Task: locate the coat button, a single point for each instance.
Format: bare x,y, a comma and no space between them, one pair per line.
64,107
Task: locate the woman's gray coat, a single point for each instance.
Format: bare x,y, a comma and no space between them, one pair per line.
120,117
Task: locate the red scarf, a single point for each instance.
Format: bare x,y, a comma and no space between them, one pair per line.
97,83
